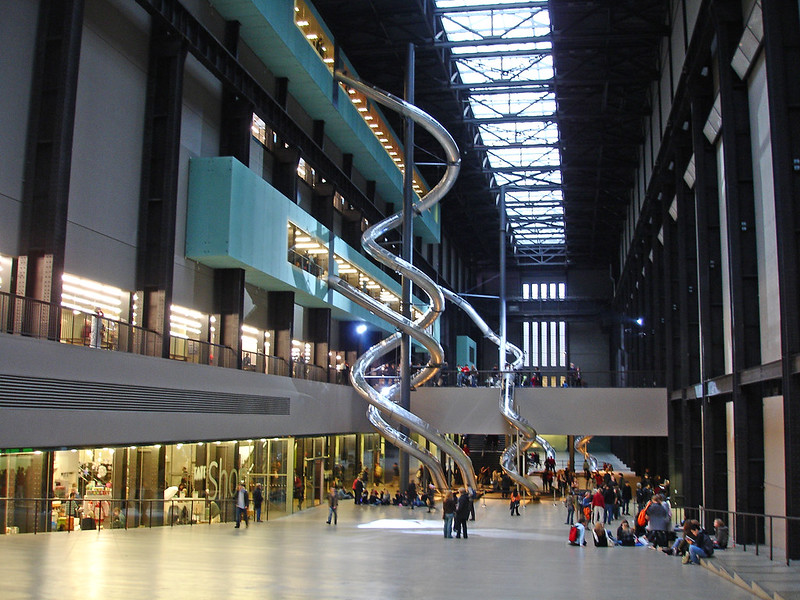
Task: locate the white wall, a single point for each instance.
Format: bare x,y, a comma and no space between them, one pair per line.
775,466
763,187
725,259
731,453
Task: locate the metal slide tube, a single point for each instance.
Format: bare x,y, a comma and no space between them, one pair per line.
582,446
508,460
382,403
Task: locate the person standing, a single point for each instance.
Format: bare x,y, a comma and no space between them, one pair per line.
241,502
515,499
569,503
258,498
462,513
627,496
333,505
448,512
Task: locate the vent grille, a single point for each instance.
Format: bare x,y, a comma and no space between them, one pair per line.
63,394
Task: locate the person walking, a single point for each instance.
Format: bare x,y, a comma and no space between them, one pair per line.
258,498
462,513
333,505
241,502
448,512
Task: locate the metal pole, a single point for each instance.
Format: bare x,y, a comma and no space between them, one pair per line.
407,254
502,294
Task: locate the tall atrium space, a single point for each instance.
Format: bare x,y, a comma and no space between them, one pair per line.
318,264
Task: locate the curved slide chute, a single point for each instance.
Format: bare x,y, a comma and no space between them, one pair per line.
582,446
382,404
528,435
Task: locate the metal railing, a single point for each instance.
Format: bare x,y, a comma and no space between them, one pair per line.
305,263
561,378
746,529
21,315
45,320
40,515
264,363
304,370
201,353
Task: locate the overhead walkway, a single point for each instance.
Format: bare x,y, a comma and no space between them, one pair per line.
373,552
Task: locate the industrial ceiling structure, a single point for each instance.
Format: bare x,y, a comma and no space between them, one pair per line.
545,98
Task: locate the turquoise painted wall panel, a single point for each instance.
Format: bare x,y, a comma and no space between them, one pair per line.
466,351
268,28
235,219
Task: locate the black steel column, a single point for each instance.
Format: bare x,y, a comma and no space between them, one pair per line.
319,325
237,112
407,253
280,319
709,291
740,241
159,184
229,305
48,155
782,53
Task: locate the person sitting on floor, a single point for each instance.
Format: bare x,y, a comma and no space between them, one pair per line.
580,530
720,534
702,546
602,539
625,536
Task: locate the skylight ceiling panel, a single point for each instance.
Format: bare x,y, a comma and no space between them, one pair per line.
522,104
534,133
525,156
508,68
509,24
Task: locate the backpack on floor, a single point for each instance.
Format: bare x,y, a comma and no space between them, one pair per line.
573,535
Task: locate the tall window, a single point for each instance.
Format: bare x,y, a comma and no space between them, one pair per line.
544,342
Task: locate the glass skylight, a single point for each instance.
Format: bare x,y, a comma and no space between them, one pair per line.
503,52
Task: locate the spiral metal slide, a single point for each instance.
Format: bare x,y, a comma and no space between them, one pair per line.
383,403
582,446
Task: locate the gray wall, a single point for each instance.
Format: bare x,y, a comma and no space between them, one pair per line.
28,365
18,34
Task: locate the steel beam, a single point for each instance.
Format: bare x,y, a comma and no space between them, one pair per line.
159,181
742,267
48,154
511,6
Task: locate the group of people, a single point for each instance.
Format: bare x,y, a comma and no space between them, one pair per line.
456,511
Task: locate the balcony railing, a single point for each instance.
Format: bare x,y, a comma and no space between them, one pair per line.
264,363
44,320
304,370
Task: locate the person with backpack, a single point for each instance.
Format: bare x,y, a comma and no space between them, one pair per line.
702,546
577,533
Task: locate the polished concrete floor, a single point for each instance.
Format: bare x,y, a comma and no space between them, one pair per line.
378,553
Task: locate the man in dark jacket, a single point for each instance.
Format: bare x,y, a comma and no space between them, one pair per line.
258,498
702,545
241,502
462,513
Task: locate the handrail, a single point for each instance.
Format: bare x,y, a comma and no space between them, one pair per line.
744,526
